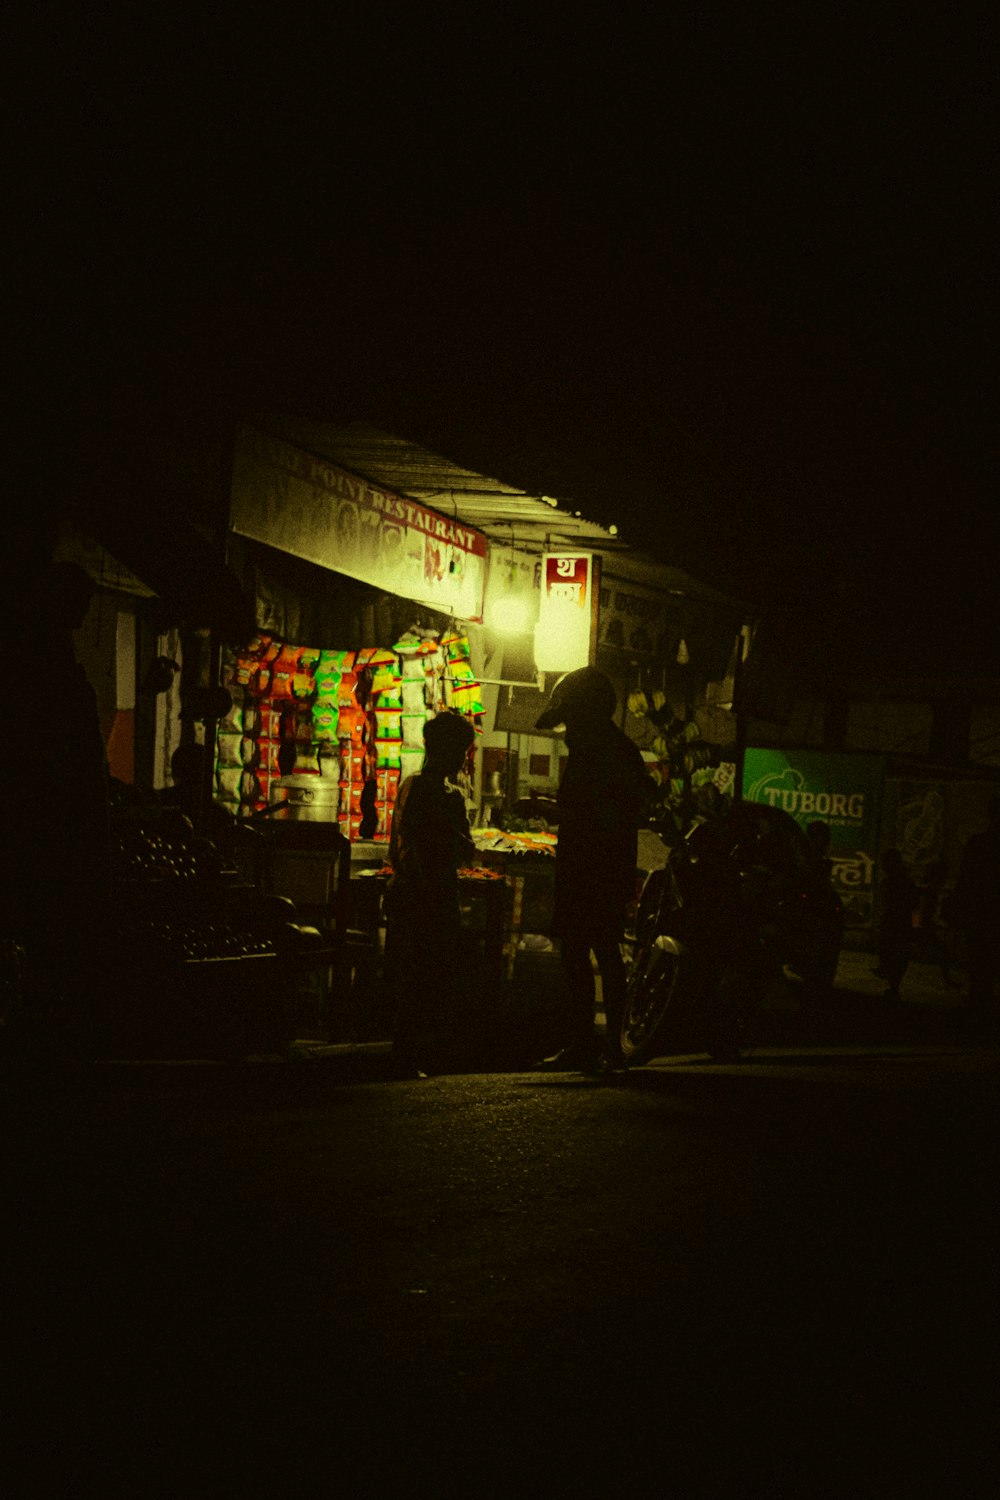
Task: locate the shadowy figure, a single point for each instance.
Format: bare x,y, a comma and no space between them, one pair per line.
603,789
430,838
818,834
187,794
974,909
823,918
898,901
60,832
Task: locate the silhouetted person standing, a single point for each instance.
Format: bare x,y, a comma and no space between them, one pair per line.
429,840
976,907
61,824
601,795
187,794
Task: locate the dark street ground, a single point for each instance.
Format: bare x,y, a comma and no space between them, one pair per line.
302,1279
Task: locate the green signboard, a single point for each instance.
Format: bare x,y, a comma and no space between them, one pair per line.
843,791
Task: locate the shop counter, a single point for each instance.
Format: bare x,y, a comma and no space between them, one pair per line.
484,899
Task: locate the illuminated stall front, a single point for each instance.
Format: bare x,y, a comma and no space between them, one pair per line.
390,583
356,647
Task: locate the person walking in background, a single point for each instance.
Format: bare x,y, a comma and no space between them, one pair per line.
601,795
934,919
429,839
898,901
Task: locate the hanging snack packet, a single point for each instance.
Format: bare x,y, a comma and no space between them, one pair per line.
326,723
387,724
306,760
375,657
414,695
303,685
411,760
335,661
327,686
455,647
351,724
413,730
283,669
388,754
230,752
387,783
259,645
385,682
227,780
269,751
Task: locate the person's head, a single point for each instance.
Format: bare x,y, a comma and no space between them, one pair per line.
581,698
448,737
186,765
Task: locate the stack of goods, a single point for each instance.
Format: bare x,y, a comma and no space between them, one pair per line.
343,727
461,686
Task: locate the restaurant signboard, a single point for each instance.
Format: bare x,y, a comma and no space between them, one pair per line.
299,503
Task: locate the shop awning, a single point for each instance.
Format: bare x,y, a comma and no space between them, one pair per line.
507,513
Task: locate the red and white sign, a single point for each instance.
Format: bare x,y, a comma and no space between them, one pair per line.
562,636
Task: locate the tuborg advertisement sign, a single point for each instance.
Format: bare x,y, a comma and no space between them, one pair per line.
843,791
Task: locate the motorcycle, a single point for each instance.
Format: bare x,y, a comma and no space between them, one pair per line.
714,929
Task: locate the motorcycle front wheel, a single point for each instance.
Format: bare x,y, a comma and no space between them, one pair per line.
656,993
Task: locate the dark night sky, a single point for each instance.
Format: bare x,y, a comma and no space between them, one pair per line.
723,277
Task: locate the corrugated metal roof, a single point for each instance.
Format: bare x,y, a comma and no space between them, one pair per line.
507,513
492,505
